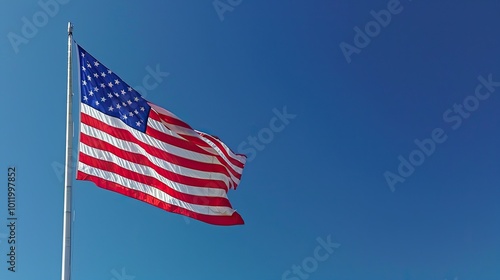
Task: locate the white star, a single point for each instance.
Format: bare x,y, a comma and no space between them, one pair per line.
111,108
85,98
118,106
124,104
83,54
136,112
83,68
143,109
96,89
129,89
117,82
88,65
89,78
125,117
109,71
103,99
136,99
96,75
138,123
96,63
96,103
110,84
129,102
117,95
103,85
103,74
123,91
131,114
91,93
110,95
84,82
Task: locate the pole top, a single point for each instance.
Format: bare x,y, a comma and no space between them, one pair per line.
70,29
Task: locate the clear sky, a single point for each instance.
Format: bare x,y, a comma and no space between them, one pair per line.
337,98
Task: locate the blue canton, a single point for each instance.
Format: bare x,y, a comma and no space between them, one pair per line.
105,91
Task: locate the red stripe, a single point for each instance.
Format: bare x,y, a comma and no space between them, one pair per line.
174,141
197,140
168,119
152,182
191,139
234,219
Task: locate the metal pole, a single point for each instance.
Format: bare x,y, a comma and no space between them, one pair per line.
66,246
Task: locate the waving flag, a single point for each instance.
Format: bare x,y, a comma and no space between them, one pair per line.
133,147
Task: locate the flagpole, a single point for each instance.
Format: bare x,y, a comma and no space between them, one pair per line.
66,245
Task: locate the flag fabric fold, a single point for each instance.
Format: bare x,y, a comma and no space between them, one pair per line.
133,147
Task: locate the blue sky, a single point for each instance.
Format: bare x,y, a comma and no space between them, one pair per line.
319,180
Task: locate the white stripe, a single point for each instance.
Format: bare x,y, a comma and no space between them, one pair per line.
154,192
242,159
164,111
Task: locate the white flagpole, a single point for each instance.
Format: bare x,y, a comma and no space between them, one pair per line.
66,246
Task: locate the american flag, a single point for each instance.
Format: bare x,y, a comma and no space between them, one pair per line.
133,147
